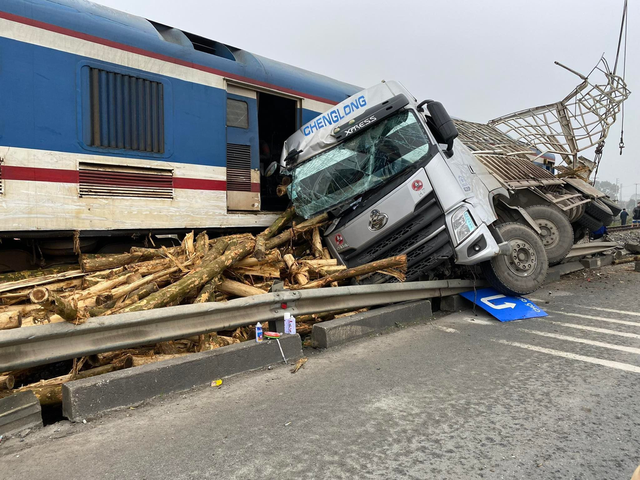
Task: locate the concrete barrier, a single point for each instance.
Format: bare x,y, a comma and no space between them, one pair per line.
19,412
597,262
335,332
90,397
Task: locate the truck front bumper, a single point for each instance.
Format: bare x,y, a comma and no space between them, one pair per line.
478,247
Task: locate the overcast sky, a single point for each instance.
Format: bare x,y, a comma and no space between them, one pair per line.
482,59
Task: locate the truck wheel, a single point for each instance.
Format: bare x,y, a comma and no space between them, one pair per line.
593,224
557,232
524,269
613,206
599,210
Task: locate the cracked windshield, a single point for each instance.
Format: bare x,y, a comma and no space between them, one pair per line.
359,164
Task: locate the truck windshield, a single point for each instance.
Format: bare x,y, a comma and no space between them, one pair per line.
359,164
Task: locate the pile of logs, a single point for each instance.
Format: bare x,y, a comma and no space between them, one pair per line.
199,270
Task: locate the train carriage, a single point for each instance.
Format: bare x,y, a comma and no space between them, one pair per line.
113,124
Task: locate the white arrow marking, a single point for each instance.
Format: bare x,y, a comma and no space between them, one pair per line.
487,301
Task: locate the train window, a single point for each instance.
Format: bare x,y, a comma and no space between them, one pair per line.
127,112
210,46
237,114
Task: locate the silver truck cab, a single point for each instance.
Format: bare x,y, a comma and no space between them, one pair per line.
396,181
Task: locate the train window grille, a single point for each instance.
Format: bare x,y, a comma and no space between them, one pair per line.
127,112
237,113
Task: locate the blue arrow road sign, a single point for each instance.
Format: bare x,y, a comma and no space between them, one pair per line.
502,307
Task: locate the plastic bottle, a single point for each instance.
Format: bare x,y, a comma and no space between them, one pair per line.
289,323
259,334
287,316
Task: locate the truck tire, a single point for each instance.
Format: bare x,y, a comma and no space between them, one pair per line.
593,224
557,232
613,206
599,210
523,270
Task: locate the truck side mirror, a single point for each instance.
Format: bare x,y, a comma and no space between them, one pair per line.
442,126
271,169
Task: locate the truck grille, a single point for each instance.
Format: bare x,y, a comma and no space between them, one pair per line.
427,222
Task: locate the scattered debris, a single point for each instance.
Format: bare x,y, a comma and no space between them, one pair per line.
299,364
197,271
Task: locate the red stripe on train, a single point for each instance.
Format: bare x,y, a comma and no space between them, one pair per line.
39,174
53,175
158,56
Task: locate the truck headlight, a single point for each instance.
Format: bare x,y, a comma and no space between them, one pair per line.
462,224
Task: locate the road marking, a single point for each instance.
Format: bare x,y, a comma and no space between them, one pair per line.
447,329
612,346
590,317
610,310
596,329
481,321
574,356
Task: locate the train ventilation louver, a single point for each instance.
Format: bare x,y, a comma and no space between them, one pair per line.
118,181
127,112
238,167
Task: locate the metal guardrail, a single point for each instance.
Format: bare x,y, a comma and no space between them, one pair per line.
32,346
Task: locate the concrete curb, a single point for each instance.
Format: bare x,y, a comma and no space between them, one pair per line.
19,412
342,330
597,262
90,397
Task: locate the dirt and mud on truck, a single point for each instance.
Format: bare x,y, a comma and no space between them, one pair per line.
396,180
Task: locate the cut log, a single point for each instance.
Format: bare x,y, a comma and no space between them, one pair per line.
42,280
239,289
212,265
626,259
114,306
23,294
272,230
316,243
139,360
267,270
398,262
152,253
66,308
105,261
325,253
107,285
156,277
279,223
291,233
202,244
299,276
49,392
40,317
114,357
7,382
272,257
207,294
9,320
320,263
32,274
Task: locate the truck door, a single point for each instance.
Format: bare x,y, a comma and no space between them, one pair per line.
243,156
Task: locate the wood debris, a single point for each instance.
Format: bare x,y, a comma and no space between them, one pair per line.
200,270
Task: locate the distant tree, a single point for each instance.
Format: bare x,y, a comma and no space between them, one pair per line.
611,189
631,204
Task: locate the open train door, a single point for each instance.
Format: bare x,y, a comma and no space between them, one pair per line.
243,156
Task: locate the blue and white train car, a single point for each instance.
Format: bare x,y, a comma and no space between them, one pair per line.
113,123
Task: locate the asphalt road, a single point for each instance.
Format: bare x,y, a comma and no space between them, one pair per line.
459,397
